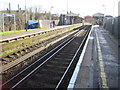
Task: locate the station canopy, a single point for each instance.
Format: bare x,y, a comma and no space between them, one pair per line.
72,14
30,22
99,15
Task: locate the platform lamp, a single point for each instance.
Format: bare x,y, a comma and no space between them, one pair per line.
50,15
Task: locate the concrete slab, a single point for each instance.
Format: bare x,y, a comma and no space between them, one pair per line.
99,68
110,57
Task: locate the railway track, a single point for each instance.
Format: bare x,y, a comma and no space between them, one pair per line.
26,44
33,53
26,53
16,47
54,69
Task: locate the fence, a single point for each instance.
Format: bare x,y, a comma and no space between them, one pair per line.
112,25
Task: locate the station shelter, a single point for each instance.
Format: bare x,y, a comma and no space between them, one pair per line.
70,18
99,18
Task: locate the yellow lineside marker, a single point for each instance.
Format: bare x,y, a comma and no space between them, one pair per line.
102,71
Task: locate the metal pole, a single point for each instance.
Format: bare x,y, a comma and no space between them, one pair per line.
67,6
51,16
3,23
113,7
25,16
26,10
14,22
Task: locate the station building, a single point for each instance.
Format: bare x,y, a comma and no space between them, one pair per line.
70,18
98,18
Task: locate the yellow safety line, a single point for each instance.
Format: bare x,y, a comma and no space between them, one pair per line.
102,71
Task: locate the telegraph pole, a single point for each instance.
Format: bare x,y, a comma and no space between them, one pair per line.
26,16
9,7
9,17
113,7
19,17
9,10
3,24
67,6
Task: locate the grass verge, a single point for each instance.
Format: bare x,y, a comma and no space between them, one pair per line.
17,31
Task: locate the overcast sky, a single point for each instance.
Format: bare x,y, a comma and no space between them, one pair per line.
82,7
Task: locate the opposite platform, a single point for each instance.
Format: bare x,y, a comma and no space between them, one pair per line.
27,33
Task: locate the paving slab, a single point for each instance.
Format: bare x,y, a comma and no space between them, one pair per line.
99,63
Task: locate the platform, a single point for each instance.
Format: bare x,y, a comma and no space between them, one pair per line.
98,64
23,34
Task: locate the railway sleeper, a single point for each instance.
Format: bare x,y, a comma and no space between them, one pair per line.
24,51
58,67
51,74
63,58
19,54
61,61
39,44
41,85
7,59
48,82
13,57
69,56
4,63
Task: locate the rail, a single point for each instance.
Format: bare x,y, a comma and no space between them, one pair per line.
55,50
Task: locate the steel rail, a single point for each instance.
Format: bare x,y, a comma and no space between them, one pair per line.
18,61
43,63
37,61
71,61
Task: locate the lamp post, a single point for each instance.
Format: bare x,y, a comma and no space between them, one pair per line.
104,8
113,7
3,24
50,16
26,26
67,6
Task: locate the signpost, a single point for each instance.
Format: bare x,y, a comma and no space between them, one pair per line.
8,15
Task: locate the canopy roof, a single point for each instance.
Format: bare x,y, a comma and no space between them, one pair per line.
30,22
98,15
72,14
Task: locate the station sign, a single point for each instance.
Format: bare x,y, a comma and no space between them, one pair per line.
8,15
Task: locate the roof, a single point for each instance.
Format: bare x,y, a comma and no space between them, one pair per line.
88,17
98,15
108,16
32,22
72,14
